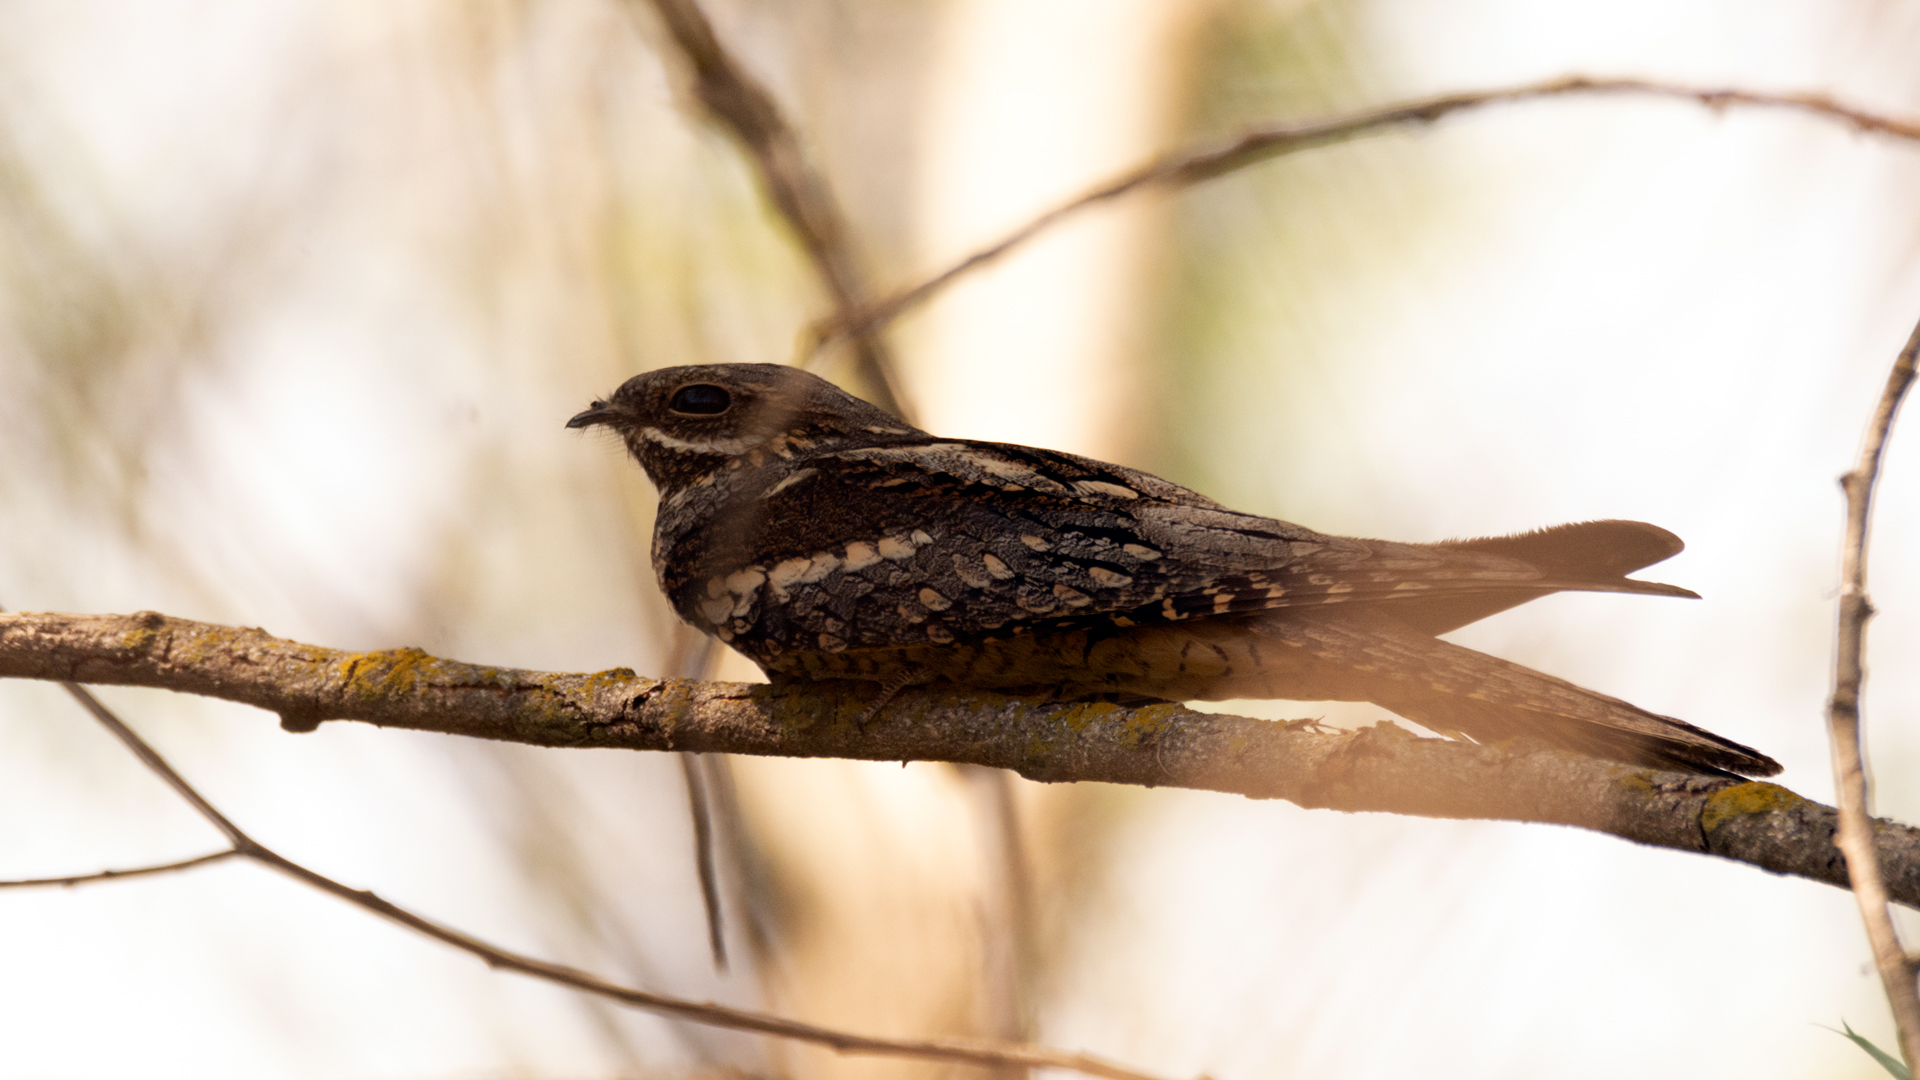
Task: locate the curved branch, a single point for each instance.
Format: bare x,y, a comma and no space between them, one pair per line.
968,1051
1381,769
1262,143
1897,969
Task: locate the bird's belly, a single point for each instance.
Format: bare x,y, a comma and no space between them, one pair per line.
1214,660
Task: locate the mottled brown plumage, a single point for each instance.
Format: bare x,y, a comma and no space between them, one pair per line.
826,539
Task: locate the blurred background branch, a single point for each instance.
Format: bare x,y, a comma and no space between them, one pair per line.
1262,144
245,846
737,101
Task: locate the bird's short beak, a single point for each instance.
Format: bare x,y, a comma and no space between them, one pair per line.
600,413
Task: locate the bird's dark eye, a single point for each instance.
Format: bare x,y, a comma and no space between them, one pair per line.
701,400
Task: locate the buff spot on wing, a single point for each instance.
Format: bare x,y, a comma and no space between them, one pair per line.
819,566
995,567
1071,596
861,555
1037,543
1140,551
831,643
971,571
1101,487
797,477
941,634
896,547
934,601
1108,578
784,574
1038,603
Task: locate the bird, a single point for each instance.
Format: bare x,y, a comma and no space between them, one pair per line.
826,539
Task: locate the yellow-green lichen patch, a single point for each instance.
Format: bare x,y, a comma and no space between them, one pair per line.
1082,715
375,676
1745,800
140,641
1148,724
612,680
1639,782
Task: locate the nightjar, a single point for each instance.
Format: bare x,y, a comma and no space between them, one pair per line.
826,539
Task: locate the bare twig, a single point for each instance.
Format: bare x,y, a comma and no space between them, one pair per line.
695,655
1855,838
1378,769
699,808
798,190
120,875
966,1051
1260,144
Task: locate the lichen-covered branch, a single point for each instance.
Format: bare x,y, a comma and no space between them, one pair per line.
1377,769
1259,144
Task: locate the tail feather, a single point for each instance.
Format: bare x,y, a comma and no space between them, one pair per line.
1455,690
1584,556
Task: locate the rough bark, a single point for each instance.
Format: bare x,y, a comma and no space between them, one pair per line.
1382,769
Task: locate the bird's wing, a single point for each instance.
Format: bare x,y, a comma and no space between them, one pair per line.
1068,538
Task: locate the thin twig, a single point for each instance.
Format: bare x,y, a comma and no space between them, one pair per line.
120,875
699,808
798,190
1263,143
695,655
1855,836
967,1051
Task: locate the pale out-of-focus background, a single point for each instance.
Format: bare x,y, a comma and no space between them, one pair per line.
296,296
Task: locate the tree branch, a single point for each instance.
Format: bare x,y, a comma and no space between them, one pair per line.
967,1051
1260,144
798,190
1897,970
1381,769
120,875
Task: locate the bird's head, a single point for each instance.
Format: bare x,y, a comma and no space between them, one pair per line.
686,423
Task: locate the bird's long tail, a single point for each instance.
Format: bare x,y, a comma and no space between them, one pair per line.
1457,691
